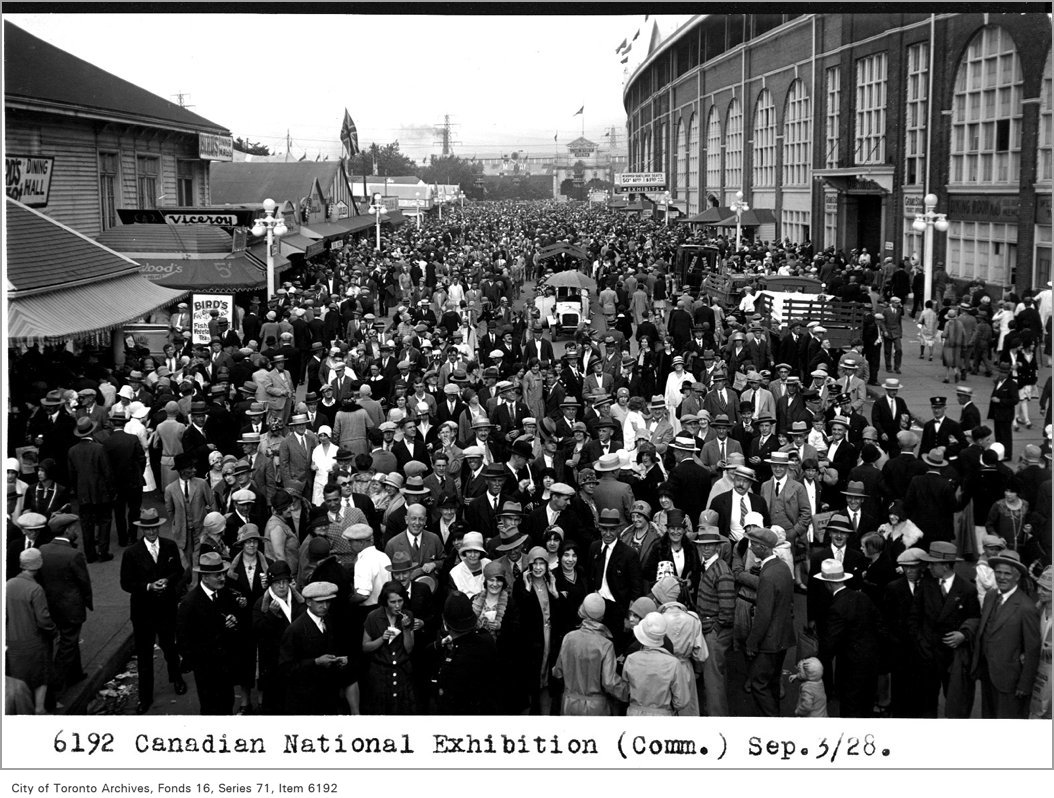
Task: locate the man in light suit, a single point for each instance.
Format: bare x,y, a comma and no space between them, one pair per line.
598,381
342,386
152,573
294,458
762,400
280,389
849,383
1006,642
715,453
787,500
733,506
188,500
67,587
611,493
772,631
886,414
424,548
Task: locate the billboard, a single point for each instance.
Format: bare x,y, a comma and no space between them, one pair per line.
640,181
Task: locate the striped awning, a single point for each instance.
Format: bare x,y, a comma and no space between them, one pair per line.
85,310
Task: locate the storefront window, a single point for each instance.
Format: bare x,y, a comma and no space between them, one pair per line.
982,251
185,183
986,112
794,226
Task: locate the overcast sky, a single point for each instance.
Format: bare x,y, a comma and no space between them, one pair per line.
506,82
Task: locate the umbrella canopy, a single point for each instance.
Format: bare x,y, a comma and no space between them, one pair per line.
563,248
711,215
752,218
575,279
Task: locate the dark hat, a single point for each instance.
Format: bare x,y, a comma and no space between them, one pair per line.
183,460
401,563
458,616
210,563
53,398
523,449
281,499
279,570
495,471
198,408
85,427
938,401
855,488
674,517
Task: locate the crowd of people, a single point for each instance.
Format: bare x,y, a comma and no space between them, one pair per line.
385,491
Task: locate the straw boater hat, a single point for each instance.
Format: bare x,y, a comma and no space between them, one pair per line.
1011,558
832,571
149,518
607,462
943,551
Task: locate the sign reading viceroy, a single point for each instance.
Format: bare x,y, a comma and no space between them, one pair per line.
29,179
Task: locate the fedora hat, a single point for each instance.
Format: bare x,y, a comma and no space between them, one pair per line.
52,399
279,571
210,563
1011,558
855,488
720,420
745,471
85,427
832,571
935,458
495,471
943,551
511,509
609,517
183,460
778,458
401,563
513,541
607,462
415,486
149,518
708,534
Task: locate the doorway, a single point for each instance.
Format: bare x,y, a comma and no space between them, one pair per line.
864,223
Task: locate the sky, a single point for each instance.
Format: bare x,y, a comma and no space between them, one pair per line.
506,82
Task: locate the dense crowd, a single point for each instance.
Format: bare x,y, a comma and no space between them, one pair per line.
384,490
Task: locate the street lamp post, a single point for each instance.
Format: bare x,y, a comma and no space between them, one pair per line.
439,203
417,204
461,197
274,227
378,210
666,207
740,207
925,223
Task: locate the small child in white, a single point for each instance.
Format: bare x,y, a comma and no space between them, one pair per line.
812,698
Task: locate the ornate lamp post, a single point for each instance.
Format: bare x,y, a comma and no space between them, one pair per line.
925,223
417,204
666,207
740,207
273,226
379,211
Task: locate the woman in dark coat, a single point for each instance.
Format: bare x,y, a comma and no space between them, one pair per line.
247,579
388,641
538,601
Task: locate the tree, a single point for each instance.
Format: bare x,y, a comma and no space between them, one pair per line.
384,160
251,147
452,171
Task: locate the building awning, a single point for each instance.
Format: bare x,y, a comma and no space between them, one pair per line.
710,216
257,256
394,218
85,310
216,274
755,217
868,179
331,231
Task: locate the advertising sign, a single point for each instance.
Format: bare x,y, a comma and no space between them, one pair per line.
201,309
640,181
217,217
215,148
29,179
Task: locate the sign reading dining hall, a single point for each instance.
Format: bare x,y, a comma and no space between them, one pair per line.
28,179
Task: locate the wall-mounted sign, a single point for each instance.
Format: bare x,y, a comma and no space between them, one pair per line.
984,208
201,314
913,204
217,217
215,148
29,179
640,181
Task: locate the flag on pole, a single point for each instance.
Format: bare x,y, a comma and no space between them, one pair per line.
607,134
349,135
628,48
635,35
554,137
318,157
624,43
302,157
624,60
580,110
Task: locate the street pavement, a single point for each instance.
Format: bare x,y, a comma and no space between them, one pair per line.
106,643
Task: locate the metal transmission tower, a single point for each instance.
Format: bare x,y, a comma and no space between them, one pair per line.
181,98
443,133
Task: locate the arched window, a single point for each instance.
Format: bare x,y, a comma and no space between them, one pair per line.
691,179
764,166
680,164
713,151
797,123
986,111
734,147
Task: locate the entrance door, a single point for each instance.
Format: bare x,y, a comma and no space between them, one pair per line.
868,224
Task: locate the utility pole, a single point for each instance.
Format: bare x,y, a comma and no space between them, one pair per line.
181,98
443,132
288,144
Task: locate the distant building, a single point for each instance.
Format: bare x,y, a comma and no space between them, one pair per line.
839,124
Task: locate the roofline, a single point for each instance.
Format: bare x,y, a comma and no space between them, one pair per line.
87,112
133,267
663,47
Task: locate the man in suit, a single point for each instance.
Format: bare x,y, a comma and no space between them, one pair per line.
278,389
1006,642
840,451
787,501
152,573
555,512
598,381
534,345
733,506
411,447
689,481
772,631
313,666
482,512
67,587
854,562
852,642
715,453
424,548
127,465
897,605
613,571
886,414
273,612
900,470
188,500
1002,408
944,608
941,430
91,483
761,399
790,407
341,383
969,413
722,400
930,500
294,458
611,493
451,408
207,635
762,447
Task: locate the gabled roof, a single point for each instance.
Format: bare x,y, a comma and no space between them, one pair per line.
43,253
41,76
234,183
581,143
